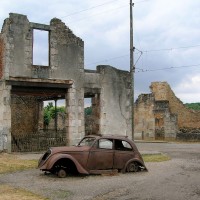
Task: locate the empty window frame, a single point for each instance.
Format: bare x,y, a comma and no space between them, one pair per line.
40,47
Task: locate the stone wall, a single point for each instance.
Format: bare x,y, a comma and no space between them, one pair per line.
65,73
186,117
113,113
1,56
161,115
5,117
116,105
144,119
23,118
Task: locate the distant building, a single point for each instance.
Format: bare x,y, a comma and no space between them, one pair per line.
161,115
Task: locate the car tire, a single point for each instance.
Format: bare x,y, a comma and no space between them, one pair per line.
132,167
62,173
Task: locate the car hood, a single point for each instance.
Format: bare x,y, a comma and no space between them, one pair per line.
65,149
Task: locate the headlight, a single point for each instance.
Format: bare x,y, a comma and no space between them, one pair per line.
46,155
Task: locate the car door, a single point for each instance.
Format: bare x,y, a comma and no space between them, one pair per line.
101,155
122,154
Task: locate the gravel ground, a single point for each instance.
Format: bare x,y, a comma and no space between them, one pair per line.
176,179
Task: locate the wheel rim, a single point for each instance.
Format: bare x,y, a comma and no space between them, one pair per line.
132,167
62,173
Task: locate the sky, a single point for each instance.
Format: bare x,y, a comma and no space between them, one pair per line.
166,37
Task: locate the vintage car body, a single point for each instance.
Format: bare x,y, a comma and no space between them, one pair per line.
93,155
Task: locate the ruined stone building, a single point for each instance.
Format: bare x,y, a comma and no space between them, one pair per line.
161,115
24,87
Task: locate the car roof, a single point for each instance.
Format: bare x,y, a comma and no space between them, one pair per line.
116,137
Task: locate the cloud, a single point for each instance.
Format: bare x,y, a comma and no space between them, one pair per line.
158,24
165,25
191,85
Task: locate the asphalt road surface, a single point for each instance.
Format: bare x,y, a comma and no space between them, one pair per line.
177,179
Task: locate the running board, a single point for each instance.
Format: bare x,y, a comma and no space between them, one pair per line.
104,172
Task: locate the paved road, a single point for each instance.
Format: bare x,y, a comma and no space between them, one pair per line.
177,179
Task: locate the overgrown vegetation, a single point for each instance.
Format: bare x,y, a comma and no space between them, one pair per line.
11,163
50,112
155,157
194,106
7,192
88,110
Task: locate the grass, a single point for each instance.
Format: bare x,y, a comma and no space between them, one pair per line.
8,192
155,157
11,163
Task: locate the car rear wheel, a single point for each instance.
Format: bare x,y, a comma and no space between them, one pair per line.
132,167
62,173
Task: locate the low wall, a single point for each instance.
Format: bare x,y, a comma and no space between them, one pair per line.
189,137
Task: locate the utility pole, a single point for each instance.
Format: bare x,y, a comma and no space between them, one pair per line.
132,67
56,116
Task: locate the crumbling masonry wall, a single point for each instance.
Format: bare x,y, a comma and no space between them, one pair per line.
66,62
144,119
19,107
5,117
186,117
112,88
115,115
1,56
161,115
22,84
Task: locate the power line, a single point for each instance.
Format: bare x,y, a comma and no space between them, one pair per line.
170,49
166,68
146,51
106,60
98,14
90,8
100,5
141,1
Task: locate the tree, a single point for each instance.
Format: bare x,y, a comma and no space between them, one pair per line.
47,113
88,110
50,112
194,106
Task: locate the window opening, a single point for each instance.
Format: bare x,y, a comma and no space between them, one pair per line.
122,145
105,144
88,116
40,47
54,115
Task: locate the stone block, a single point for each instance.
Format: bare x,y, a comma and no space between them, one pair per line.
81,129
71,122
7,116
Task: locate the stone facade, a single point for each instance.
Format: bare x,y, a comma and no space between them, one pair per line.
24,87
161,115
1,56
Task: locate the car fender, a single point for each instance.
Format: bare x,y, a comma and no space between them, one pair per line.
133,160
54,158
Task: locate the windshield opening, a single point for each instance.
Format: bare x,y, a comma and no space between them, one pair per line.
88,141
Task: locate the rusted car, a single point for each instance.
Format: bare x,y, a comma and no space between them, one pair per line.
93,155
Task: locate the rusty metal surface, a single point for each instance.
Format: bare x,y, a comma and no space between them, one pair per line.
94,155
